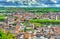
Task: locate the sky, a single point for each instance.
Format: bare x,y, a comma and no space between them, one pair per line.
29,3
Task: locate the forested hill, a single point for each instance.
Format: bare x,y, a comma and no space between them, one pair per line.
26,9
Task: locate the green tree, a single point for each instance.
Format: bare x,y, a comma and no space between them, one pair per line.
6,35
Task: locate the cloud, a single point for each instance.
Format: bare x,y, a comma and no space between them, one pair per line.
57,5
33,3
55,1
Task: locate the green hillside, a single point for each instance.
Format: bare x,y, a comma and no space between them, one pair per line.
33,10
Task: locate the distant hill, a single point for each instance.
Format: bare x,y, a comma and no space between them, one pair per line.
28,9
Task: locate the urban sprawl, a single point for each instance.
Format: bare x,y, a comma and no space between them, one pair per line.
31,25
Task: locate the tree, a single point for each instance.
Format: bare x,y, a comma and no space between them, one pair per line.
6,35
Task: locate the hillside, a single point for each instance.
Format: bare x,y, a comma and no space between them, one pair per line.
33,10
